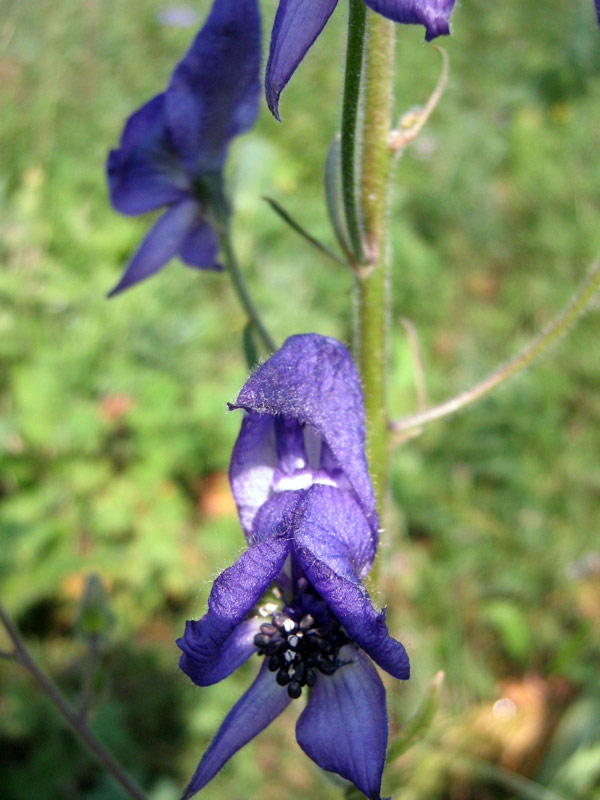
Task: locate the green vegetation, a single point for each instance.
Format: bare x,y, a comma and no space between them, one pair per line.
115,439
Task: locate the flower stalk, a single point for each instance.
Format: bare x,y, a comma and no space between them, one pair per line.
239,285
406,428
372,304
354,63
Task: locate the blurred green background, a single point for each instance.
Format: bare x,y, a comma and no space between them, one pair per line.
115,439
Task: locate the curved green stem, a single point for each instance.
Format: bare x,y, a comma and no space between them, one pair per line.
372,308
240,288
559,326
354,60
23,656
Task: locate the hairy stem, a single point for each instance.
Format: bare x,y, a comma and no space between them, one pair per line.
240,288
105,758
372,278
354,59
568,316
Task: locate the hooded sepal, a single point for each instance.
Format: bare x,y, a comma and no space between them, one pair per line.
312,381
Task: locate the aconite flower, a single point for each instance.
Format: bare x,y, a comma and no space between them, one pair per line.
173,149
295,598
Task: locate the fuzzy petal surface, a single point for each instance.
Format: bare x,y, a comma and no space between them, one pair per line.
214,92
329,522
276,516
297,25
350,603
234,593
237,648
145,173
433,14
160,245
344,726
313,380
257,708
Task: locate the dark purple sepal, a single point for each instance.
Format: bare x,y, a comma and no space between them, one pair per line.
237,648
256,709
276,516
297,25
214,92
433,14
234,594
313,380
330,524
344,726
200,247
161,244
350,603
145,173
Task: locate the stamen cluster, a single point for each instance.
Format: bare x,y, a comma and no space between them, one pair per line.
297,649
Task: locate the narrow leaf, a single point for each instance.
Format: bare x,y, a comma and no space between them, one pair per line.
295,226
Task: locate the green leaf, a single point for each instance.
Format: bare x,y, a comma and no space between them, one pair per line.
299,229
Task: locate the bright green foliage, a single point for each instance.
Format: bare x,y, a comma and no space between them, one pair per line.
114,434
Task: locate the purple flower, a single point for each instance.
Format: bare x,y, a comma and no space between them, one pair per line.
300,479
299,22
173,148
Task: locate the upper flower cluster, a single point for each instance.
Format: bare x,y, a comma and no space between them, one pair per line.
300,480
173,149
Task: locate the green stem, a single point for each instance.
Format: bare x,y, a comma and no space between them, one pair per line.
354,59
239,285
107,760
557,328
372,279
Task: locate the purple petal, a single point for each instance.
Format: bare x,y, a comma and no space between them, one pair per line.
160,245
234,593
598,9
238,647
331,525
200,247
262,703
145,172
349,601
313,380
276,516
344,726
214,92
297,25
433,14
